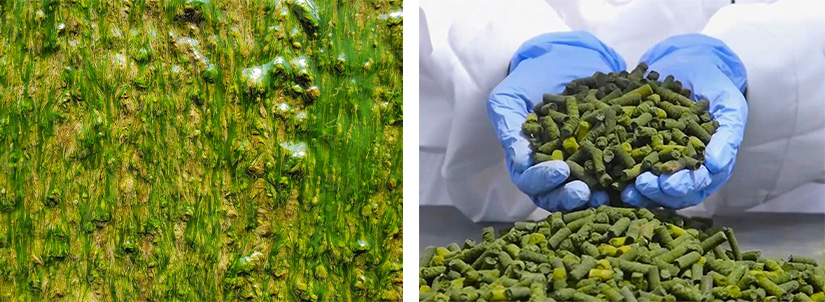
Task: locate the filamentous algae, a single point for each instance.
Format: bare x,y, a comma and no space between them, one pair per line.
197,150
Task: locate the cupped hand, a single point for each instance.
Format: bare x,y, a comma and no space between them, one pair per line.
711,71
545,64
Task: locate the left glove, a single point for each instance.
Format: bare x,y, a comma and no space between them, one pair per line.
542,65
711,71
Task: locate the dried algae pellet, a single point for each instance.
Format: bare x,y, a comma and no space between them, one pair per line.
627,257
589,127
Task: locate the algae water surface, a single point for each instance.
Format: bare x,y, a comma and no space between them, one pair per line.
196,150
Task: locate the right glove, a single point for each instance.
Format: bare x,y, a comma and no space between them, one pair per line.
711,71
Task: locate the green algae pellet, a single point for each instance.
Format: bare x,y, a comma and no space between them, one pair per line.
592,119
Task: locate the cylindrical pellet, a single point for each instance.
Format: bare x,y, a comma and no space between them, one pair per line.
491,251
427,256
600,169
531,129
802,259
700,106
576,225
538,292
557,116
531,256
706,284
553,98
770,287
572,106
578,172
573,216
673,97
790,286
539,157
628,99
726,292
802,297
687,260
688,293
751,255
673,111
640,153
696,130
488,234
671,255
583,268
603,274
672,166
754,294
559,278
663,235
629,266
619,227
641,120
550,129
570,145
653,278
697,270
568,127
719,279
710,126
590,249
582,130
816,278
517,293
594,133
460,266
669,154
429,273
557,238
711,242
632,172
612,95
650,160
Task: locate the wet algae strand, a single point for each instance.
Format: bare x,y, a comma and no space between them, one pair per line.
614,254
197,150
610,128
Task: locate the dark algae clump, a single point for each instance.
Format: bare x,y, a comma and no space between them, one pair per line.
200,150
614,254
610,128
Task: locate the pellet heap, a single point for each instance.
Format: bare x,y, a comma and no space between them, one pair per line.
609,128
614,254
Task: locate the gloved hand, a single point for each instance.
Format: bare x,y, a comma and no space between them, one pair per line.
544,64
711,71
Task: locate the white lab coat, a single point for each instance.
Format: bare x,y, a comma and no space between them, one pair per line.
465,51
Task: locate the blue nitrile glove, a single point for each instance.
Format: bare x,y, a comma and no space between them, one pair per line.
711,71
544,64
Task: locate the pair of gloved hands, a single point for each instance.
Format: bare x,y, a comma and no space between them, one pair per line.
546,63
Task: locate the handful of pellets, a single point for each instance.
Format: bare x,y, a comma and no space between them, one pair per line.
610,128
614,254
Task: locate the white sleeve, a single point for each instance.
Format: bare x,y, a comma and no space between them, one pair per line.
483,40
782,46
631,27
435,59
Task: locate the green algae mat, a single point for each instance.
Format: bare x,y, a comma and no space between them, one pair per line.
183,150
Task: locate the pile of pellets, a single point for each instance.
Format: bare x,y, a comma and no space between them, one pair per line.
614,254
609,128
